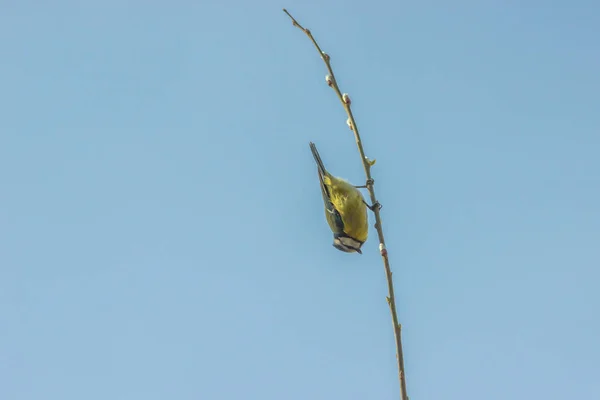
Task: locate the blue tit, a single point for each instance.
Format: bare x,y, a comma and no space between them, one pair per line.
345,209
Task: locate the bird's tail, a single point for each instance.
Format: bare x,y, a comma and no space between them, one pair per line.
318,160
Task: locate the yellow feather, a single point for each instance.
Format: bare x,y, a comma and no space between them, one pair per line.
350,204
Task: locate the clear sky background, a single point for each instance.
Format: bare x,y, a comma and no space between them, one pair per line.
162,232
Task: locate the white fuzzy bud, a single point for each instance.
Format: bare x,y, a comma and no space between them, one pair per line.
349,123
382,250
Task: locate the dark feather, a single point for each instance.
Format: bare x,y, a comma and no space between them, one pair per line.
333,216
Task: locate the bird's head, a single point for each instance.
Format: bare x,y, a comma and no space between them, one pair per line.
347,244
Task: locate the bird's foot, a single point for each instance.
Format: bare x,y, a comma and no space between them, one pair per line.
370,182
376,205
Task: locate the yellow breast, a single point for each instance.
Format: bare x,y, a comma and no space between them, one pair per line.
350,204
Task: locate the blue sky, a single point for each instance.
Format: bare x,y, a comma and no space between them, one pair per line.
161,227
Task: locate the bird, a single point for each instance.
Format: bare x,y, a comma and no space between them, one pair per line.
345,209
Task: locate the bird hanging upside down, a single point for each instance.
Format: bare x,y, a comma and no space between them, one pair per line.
345,209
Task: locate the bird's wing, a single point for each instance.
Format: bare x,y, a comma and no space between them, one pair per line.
334,219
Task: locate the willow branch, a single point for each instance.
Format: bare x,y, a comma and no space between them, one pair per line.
367,164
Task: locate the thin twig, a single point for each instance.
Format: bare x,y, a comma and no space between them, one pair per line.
367,164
